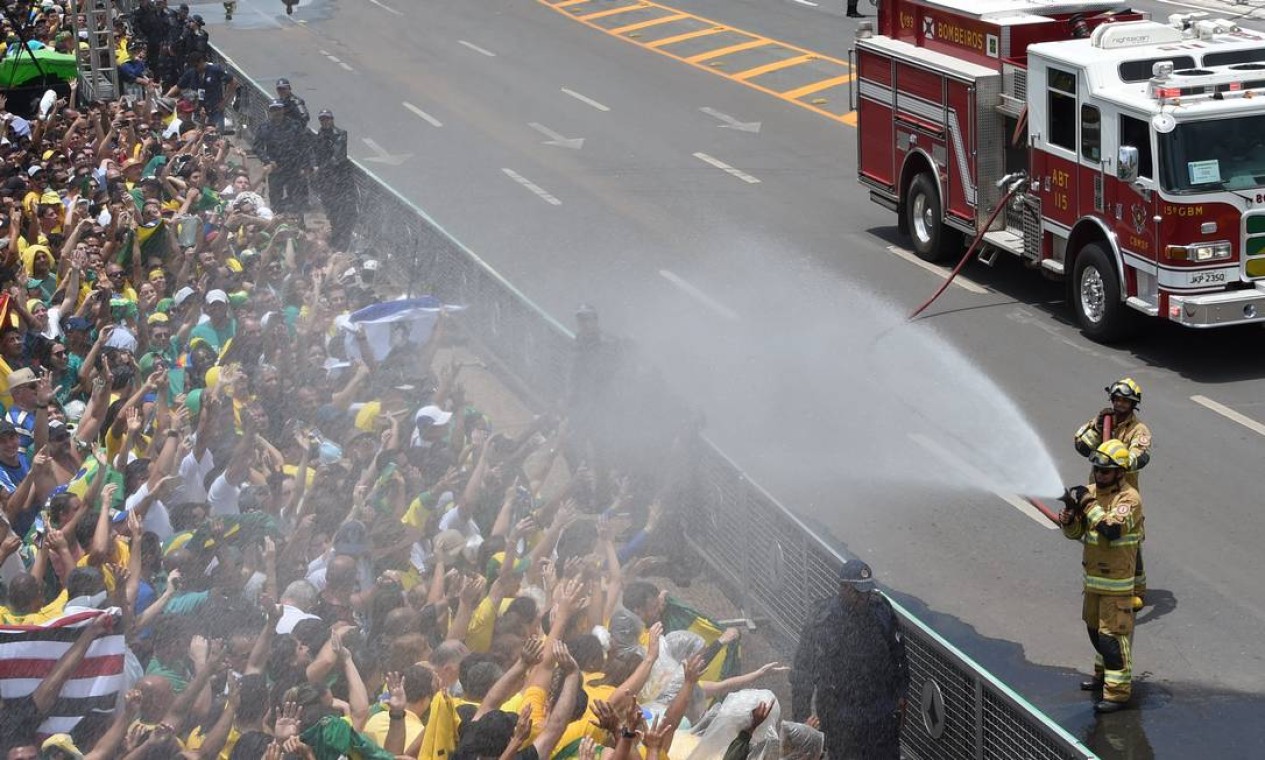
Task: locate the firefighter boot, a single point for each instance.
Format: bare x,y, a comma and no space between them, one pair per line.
1103,707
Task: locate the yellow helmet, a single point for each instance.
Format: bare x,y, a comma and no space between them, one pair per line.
1111,455
1126,387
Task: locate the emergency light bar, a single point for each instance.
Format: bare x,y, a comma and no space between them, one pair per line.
1168,85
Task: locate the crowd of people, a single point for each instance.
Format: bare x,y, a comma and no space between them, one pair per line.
238,523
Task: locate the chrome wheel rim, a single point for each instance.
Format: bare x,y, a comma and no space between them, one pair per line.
924,220
1093,295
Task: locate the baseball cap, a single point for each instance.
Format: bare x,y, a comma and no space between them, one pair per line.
7,428
216,296
20,377
182,294
57,430
276,104
352,538
78,323
857,574
448,544
61,742
34,170
283,82
325,112
432,415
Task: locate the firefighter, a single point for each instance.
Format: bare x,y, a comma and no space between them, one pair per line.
1125,396
851,657
1105,518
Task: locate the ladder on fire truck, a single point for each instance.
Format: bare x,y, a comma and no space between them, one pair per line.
98,67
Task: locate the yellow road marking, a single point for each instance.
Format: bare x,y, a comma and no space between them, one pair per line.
824,84
651,22
699,61
612,11
749,44
686,36
775,66
733,48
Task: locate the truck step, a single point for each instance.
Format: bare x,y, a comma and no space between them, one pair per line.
1005,240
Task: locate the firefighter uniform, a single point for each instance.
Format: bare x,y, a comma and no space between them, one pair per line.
1135,435
1108,528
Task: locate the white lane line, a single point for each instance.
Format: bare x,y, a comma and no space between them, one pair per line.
964,283
345,66
727,168
386,7
431,120
532,186
975,476
1230,414
477,49
807,2
586,100
335,59
698,295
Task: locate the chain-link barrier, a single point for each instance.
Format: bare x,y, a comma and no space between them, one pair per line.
771,564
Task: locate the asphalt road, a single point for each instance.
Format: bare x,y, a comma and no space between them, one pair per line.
750,265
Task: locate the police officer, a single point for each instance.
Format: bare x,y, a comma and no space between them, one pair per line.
1105,518
295,107
851,656
1125,396
283,145
335,181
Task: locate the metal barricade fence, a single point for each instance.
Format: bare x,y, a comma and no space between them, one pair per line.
770,563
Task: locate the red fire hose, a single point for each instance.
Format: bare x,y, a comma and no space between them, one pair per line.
969,251
1040,505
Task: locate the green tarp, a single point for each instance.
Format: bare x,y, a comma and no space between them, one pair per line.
18,69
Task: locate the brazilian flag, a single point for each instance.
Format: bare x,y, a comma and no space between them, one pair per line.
679,616
83,479
333,738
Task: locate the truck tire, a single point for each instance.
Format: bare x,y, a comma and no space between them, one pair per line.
1095,295
924,219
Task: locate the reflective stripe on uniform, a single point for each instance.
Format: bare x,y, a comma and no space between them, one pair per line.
1109,585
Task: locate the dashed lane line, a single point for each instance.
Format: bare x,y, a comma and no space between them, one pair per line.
1230,414
477,49
431,120
964,283
698,295
532,186
586,100
716,162
386,7
973,475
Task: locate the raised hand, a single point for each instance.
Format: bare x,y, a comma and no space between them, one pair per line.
772,667
562,656
287,724
533,651
658,735
607,718
396,698
759,713
694,667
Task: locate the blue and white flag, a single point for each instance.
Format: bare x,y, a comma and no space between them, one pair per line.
390,324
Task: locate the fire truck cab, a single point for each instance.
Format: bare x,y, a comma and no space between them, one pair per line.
1124,154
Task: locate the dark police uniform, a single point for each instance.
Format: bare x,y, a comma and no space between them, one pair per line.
851,657
335,183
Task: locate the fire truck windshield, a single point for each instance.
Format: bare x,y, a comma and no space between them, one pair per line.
1205,156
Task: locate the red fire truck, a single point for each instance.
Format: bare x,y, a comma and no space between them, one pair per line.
1122,153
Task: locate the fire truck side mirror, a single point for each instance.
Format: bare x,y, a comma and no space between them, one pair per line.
1127,164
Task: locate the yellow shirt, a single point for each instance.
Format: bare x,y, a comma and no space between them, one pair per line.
378,724
367,417
482,623
119,555
44,614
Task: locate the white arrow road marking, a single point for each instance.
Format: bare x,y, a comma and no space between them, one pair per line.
431,120
698,295
383,157
574,143
727,168
477,49
975,476
586,100
731,122
1230,414
532,186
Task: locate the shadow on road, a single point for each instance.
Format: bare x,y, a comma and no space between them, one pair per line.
1222,355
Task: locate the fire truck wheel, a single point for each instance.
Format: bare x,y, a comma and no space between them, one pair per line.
1095,296
923,218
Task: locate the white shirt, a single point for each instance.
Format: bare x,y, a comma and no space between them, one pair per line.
290,617
193,476
157,520
222,497
452,521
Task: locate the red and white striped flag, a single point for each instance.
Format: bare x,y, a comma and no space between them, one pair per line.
28,654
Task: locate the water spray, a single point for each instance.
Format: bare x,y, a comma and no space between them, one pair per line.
1012,183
